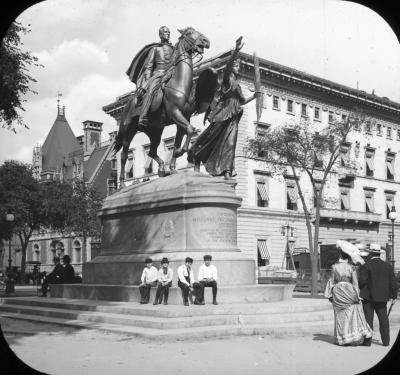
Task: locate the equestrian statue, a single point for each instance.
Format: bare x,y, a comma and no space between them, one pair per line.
166,94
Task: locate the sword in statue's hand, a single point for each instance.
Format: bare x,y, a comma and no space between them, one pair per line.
257,87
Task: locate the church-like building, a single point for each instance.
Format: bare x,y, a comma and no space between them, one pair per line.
64,156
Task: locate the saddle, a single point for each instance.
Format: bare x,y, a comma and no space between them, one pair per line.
157,94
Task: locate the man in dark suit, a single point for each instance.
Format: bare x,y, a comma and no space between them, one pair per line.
54,277
68,275
378,286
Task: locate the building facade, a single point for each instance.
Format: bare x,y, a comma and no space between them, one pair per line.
362,188
65,157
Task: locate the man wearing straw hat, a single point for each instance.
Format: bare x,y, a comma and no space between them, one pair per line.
377,277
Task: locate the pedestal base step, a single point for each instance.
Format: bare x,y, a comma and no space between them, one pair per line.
130,293
296,316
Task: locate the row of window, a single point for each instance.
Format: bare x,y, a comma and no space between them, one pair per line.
58,251
369,199
292,196
332,117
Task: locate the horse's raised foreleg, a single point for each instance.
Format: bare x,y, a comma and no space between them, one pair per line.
179,119
177,144
155,139
124,158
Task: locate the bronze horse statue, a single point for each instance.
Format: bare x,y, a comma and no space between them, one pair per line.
174,104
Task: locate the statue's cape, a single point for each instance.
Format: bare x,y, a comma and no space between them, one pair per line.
136,66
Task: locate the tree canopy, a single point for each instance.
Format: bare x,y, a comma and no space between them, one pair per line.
302,147
14,78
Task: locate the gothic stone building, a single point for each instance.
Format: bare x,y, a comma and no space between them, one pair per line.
64,156
363,192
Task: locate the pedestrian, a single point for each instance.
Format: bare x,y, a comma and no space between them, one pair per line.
377,276
165,275
149,278
343,292
208,277
186,281
54,277
68,274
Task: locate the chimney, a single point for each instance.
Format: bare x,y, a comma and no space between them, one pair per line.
92,136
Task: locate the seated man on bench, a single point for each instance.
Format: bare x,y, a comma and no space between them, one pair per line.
207,278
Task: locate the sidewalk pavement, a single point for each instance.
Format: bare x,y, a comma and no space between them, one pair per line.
58,350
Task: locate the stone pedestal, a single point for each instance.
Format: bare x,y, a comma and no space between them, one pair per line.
185,214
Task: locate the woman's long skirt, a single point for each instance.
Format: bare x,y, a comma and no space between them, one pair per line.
350,324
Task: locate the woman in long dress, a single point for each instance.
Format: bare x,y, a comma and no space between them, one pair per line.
342,290
215,147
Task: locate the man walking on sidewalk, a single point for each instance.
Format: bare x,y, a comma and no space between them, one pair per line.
379,284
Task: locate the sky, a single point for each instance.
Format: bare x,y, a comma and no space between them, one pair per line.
86,47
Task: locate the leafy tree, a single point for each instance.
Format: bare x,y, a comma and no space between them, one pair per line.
299,148
14,79
20,194
34,206
82,212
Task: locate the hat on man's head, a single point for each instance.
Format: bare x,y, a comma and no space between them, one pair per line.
207,257
164,260
148,260
66,258
188,260
374,248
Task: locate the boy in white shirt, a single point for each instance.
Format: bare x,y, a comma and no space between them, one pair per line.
165,275
186,279
208,276
149,278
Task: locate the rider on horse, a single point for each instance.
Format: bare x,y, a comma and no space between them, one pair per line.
147,70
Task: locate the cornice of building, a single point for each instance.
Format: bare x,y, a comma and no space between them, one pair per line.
272,73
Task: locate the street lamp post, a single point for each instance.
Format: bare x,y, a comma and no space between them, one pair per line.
392,217
9,219
10,281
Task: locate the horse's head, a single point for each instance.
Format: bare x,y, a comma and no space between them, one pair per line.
195,41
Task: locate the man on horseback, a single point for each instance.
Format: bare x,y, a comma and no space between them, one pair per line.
147,70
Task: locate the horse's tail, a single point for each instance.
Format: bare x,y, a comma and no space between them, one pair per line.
117,142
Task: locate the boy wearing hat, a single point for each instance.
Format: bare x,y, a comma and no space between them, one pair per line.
377,276
148,279
165,275
208,277
186,279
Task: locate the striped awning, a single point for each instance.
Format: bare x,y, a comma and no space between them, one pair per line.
389,165
370,163
370,203
262,189
292,193
345,200
263,249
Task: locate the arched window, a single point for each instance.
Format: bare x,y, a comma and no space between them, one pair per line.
77,252
36,253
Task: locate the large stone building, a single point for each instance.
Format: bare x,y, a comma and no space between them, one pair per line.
361,193
64,156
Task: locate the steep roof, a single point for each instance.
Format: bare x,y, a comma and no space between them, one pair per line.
90,166
59,142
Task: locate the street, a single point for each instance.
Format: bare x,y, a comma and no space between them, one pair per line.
60,350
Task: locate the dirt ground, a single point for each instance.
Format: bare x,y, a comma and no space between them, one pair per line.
59,350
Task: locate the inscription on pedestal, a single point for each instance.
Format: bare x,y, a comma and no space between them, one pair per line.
218,228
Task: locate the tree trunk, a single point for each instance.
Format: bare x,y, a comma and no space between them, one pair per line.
315,254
